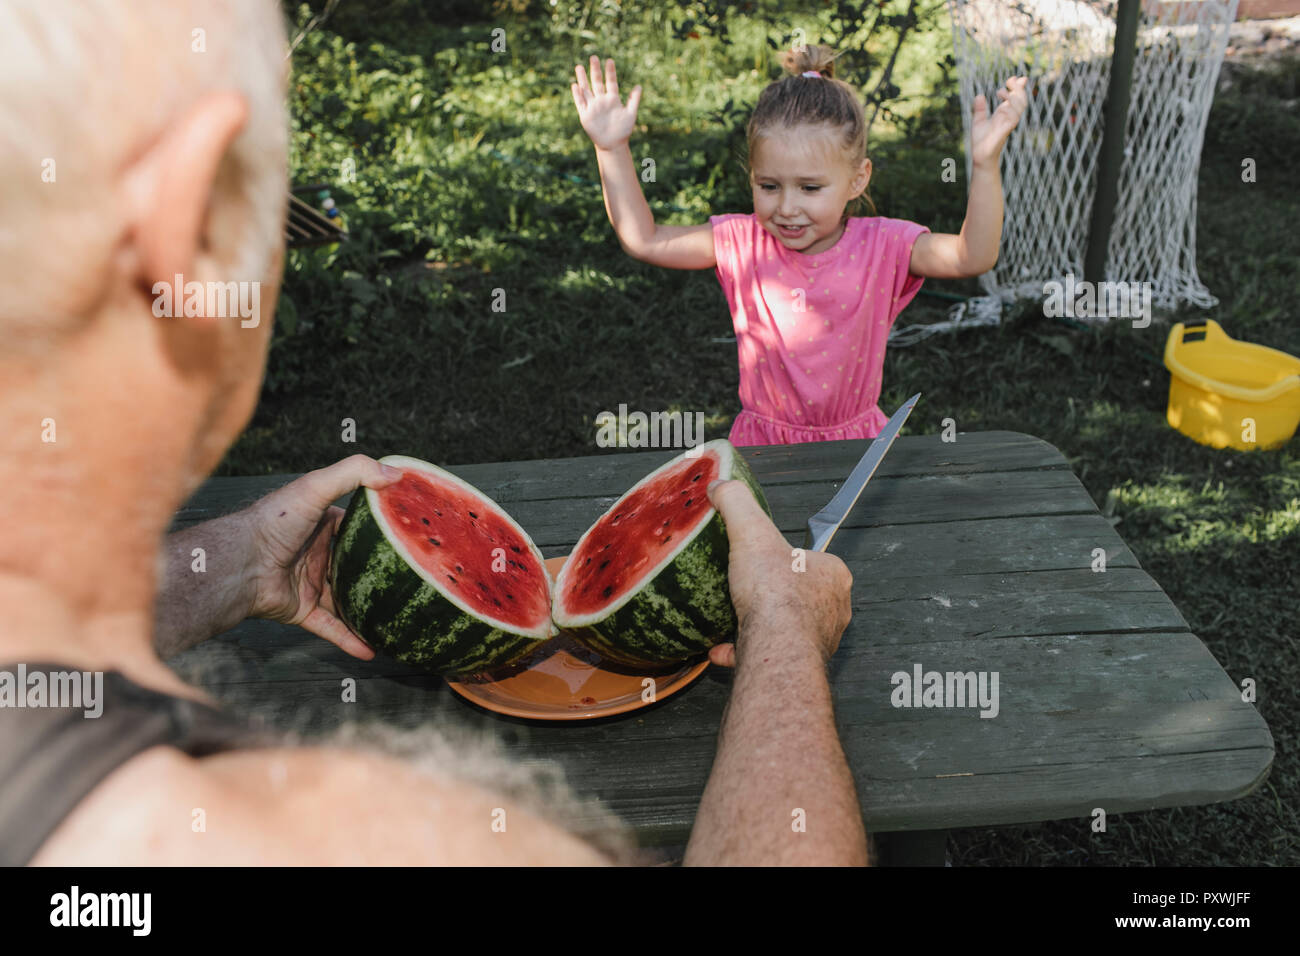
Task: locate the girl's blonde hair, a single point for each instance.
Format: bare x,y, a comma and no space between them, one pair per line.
798,100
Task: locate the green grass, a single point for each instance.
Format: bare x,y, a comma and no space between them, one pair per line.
473,175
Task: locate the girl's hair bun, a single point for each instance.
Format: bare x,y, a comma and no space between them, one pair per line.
820,59
793,101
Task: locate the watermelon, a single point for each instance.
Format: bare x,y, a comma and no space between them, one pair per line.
437,574
647,584
434,572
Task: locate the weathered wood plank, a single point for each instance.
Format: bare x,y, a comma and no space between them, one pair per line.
1081,723
610,475
884,501
774,465
923,455
1065,586
963,606
1036,680
1006,545
889,611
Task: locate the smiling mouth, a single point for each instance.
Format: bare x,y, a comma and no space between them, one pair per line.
791,232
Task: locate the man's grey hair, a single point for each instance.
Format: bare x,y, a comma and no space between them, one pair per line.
457,753
85,87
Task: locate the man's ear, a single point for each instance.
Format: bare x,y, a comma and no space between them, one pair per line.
168,187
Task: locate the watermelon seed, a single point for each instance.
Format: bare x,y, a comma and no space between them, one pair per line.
667,539
688,502
510,597
497,602
588,561
696,478
435,542
516,549
437,512
459,568
425,520
604,564
608,591
451,579
473,515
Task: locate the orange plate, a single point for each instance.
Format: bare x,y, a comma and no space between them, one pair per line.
562,680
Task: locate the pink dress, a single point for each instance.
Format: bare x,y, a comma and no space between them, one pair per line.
811,329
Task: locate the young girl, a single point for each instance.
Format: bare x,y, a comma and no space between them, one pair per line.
813,293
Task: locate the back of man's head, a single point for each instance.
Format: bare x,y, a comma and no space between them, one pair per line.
141,142
85,87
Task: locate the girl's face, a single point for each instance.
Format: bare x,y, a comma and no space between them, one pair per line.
801,185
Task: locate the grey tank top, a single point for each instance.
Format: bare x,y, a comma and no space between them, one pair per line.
51,758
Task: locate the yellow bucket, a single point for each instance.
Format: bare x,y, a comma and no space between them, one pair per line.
1223,392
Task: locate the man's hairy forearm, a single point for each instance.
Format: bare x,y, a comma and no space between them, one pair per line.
780,791
204,593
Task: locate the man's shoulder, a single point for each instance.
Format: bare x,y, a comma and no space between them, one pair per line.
297,806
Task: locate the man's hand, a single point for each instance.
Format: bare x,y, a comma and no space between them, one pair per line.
988,134
778,750
291,531
764,585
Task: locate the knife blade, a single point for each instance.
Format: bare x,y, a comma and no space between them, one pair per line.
823,525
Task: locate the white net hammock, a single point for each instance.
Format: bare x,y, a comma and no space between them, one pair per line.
1049,164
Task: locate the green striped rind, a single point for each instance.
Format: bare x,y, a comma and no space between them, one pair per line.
686,608
396,611
741,472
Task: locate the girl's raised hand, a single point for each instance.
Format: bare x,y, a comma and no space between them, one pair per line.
607,121
989,134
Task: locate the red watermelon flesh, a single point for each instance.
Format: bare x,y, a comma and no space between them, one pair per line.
469,548
619,551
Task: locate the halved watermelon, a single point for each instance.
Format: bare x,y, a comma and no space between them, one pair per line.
648,582
434,572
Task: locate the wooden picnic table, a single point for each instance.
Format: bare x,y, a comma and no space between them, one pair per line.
972,555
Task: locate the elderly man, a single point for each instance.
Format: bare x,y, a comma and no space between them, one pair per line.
145,141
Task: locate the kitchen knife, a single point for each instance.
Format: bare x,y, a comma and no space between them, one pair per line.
823,525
